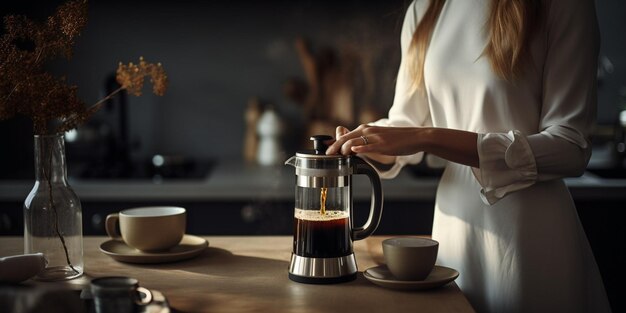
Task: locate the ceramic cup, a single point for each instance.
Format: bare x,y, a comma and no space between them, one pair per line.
118,294
410,258
148,228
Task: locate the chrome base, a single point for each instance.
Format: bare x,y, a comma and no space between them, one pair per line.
322,270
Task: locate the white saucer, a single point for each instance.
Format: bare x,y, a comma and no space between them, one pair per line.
380,275
188,247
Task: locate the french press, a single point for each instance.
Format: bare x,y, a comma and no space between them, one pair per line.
323,228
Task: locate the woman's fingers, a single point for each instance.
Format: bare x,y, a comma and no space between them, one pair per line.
346,139
370,143
346,147
342,140
383,141
332,144
369,148
340,131
335,147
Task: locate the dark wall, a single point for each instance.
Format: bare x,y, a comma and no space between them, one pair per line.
217,55
612,87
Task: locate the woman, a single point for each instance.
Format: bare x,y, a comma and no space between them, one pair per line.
506,91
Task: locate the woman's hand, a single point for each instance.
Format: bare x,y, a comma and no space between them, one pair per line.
383,144
390,141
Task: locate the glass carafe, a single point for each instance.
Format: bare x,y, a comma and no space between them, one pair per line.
52,214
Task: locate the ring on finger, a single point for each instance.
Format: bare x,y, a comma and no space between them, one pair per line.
365,141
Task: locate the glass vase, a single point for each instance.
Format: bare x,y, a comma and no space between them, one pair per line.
52,213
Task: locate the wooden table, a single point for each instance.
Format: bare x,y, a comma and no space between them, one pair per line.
249,274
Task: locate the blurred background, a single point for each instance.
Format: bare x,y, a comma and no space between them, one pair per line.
224,59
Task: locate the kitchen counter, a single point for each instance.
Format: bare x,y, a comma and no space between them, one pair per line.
249,274
230,180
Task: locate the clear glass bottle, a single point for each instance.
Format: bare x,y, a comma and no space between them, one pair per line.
53,214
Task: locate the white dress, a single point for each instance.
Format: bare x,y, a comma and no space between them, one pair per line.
510,227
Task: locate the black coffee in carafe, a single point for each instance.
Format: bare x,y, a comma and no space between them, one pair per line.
322,235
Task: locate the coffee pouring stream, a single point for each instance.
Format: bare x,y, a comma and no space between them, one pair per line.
323,211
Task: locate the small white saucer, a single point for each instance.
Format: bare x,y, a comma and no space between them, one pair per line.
188,247
380,275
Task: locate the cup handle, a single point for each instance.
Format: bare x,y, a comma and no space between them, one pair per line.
376,208
146,299
109,226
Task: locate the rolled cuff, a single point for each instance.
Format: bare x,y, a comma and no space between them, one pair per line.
507,164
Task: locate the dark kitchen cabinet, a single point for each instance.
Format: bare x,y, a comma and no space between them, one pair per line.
603,224
238,217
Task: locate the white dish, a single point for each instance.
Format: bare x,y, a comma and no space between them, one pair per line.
18,268
189,247
381,276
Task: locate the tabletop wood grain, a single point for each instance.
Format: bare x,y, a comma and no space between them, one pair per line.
249,274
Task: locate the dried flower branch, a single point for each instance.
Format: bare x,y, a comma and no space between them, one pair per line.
130,77
27,89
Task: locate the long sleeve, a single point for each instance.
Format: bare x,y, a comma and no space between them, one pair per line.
562,145
410,108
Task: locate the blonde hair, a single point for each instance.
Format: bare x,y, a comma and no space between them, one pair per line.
510,26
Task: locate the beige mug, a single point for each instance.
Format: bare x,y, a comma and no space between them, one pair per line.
148,228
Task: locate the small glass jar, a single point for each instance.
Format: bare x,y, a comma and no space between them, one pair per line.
53,214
